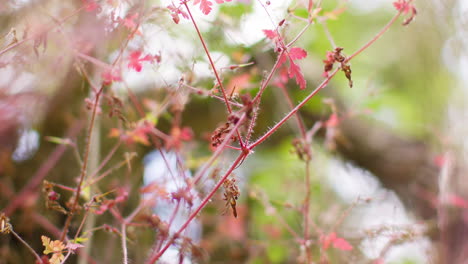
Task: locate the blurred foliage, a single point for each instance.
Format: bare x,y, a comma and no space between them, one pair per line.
399,81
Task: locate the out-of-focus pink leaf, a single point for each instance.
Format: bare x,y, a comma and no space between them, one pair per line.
271,34
295,72
205,6
297,53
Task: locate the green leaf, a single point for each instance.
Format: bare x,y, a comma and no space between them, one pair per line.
57,140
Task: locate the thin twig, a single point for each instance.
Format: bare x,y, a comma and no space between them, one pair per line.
375,38
293,111
124,242
10,47
218,79
83,168
218,152
26,245
42,172
205,201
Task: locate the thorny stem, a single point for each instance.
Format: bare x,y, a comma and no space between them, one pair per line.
218,151
323,84
26,244
251,125
205,93
300,123
293,111
256,100
205,201
268,78
83,168
218,79
209,58
242,155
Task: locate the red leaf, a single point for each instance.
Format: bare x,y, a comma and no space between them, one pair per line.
205,6
297,53
271,34
282,60
295,72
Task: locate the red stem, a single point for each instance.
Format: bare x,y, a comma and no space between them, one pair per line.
200,207
375,38
323,84
300,123
226,101
83,168
293,111
218,79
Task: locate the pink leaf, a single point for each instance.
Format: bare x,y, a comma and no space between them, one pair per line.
297,53
402,6
342,244
110,76
327,240
295,72
378,261
333,121
74,246
270,34
458,201
134,60
440,160
205,6
90,5
337,242
282,60
175,12
129,21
